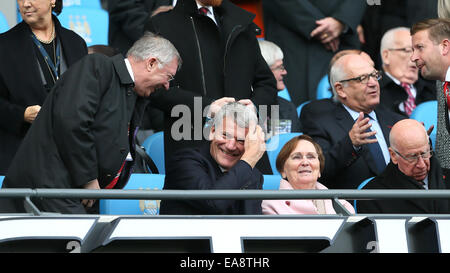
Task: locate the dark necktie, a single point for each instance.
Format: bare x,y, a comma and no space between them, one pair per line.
203,11
409,103
375,151
447,94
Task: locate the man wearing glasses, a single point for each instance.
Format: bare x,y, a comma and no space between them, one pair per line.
354,132
401,88
412,166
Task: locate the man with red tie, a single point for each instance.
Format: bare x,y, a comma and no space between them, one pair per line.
431,53
401,88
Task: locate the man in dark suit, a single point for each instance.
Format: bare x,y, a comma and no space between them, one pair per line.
226,162
221,58
309,32
401,88
412,166
352,154
84,134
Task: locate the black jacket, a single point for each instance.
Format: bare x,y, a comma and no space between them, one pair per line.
127,19
217,62
393,178
81,132
21,84
195,169
288,23
392,95
344,167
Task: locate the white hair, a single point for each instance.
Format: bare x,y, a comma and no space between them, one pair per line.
152,45
270,52
240,113
388,39
337,73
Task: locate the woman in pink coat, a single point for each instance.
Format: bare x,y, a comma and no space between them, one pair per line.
300,162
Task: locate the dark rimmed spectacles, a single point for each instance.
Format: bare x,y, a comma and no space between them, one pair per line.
365,78
413,159
406,50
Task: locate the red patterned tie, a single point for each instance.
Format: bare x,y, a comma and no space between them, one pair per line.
203,11
409,103
447,94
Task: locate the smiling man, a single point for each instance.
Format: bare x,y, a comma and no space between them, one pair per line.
354,132
226,162
84,134
412,166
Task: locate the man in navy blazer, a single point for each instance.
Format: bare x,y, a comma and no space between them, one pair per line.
354,131
226,162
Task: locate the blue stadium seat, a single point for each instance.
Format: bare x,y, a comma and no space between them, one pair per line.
427,113
299,108
274,145
3,23
271,182
362,186
323,89
135,207
284,94
1,180
154,147
93,4
91,24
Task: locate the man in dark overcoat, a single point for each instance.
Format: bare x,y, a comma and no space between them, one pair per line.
84,134
221,58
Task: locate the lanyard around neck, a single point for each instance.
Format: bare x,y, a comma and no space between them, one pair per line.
53,67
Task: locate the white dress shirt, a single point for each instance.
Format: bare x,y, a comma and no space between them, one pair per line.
375,126
413,90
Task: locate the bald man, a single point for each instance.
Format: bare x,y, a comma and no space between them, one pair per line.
354,132
412,166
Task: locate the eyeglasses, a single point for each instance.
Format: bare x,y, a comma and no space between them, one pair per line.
170,77
365,78
280,67
415,158
406,50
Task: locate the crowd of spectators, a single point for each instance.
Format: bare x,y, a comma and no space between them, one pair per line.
69,119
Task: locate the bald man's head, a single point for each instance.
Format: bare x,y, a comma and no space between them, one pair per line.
410,149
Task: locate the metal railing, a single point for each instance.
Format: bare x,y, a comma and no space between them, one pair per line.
334,195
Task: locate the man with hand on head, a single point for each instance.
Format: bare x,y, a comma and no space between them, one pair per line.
84,134
226,162
412,166
354,133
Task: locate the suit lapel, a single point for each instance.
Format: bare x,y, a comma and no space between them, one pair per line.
346,121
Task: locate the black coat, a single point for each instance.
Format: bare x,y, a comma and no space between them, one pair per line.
81,132
21,84
392,95
288,23
224,62
393,178
127,19
195,169
344,168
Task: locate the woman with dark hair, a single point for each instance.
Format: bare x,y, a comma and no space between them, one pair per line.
33,55
300,163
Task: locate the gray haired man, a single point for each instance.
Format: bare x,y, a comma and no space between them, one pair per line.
84,134
226,162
